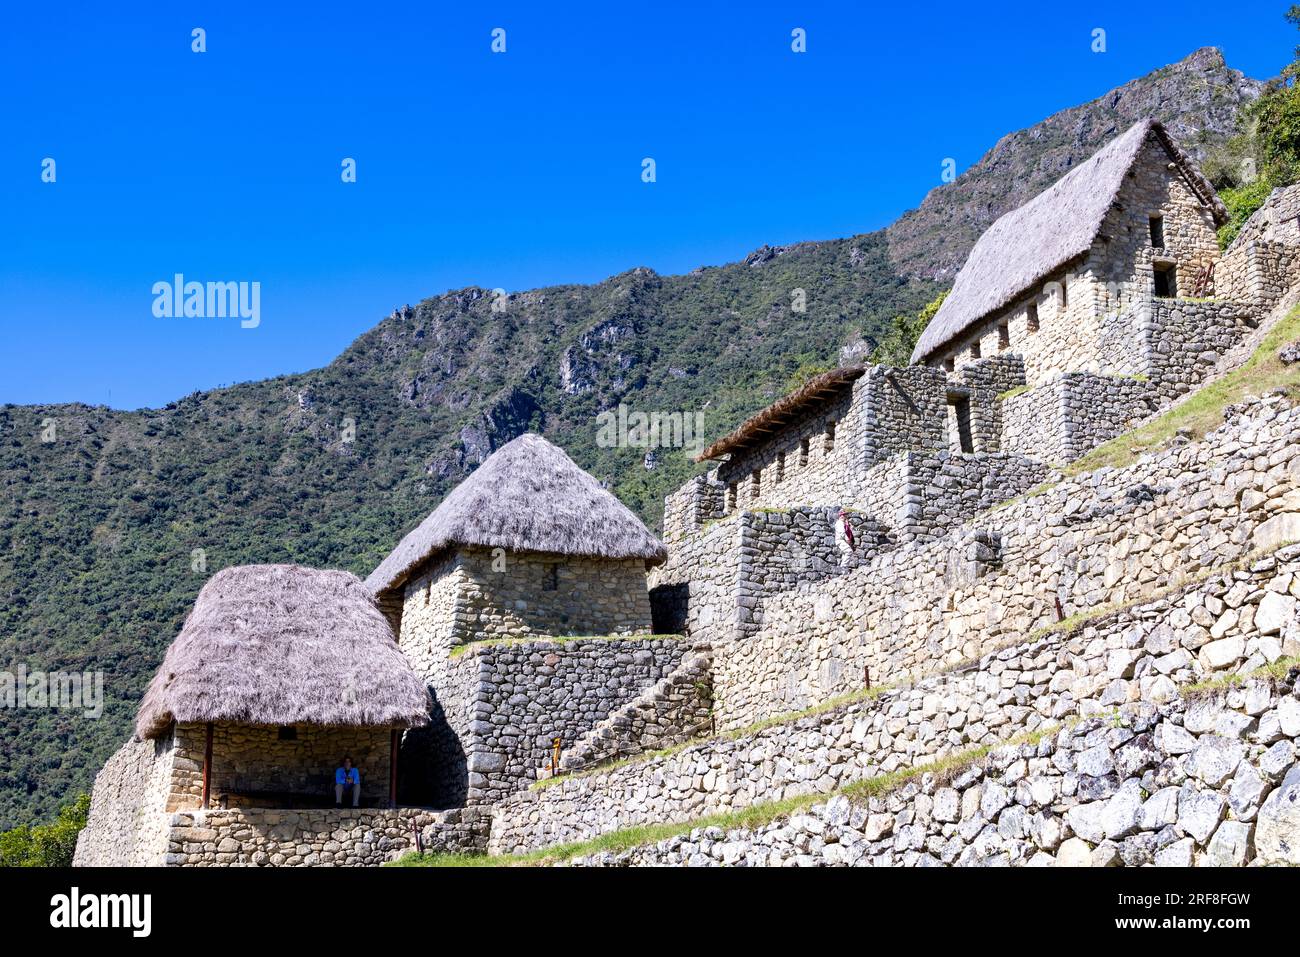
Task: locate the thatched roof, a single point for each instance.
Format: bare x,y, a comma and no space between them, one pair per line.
763,425
282,644
527,496
1054,228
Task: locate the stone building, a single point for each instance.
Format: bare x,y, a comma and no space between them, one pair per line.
529,548
278,672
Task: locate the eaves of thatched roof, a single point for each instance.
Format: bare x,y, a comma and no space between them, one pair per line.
283,644
527,496
761,426
1056,227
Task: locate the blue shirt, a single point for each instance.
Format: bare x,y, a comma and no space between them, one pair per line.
347,777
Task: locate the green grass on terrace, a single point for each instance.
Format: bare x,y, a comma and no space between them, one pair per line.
1263,372
754,816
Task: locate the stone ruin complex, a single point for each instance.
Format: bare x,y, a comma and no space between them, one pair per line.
887,567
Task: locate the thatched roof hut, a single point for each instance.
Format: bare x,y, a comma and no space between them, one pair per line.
282,645
527,496
1056,227
762,425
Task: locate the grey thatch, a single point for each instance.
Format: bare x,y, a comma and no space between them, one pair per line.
282,644
816,391
1057,226
527,496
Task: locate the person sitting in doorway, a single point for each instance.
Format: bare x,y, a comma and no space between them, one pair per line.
347,777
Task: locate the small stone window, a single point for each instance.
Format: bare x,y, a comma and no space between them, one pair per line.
755,484
803,453
1031,317
1004,336
551,577
975,349
1065,297
1166,280
287,732
780,468
950,364
731,497
829,442
1157,231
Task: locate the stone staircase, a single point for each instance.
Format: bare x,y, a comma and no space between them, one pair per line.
674,709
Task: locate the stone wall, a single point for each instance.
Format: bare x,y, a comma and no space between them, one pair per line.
260,837
1183,339
128,818
676,708
1072,414
1258,270
1107,537
513,699
1212,782
1139,655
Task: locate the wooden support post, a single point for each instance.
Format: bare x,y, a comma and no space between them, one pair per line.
392,768
207,766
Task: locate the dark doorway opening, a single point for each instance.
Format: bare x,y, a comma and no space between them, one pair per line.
1166,280
961,407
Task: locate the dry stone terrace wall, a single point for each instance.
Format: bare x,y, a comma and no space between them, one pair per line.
518,697
920,497
1208,783
1182,339
1127,660
259,837
1112,536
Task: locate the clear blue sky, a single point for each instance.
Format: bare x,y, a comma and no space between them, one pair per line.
506,170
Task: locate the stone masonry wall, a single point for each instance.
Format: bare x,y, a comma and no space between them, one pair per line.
516,697
1130,659
1182,340
1210,782
128,807
260,837
676,708
1069,416
1110,536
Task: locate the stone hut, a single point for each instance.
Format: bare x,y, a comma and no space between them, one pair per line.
1135,221
277,673
527,550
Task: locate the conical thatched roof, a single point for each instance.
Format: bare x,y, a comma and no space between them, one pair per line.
282,644
1026,245
527,496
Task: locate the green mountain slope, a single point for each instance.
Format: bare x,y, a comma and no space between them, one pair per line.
99,528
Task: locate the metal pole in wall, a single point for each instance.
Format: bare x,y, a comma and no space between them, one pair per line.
207,766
